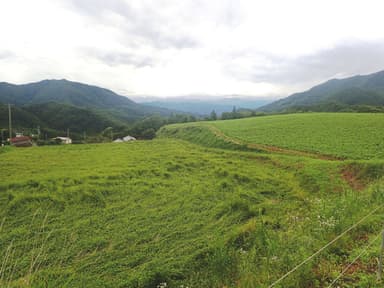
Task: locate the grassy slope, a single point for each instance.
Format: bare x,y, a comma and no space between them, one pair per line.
349,135
138,214
118,215
199,133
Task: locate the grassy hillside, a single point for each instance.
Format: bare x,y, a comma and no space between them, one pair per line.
349,135
187,213
345,135
167,211
201,134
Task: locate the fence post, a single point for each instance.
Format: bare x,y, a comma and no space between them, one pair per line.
380,268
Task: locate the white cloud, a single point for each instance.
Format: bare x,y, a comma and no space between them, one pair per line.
179,47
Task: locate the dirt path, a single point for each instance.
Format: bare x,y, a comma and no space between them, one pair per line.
269,148
347,174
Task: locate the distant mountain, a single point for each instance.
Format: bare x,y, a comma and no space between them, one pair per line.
75,94
58,105
354,93
204,107
61,91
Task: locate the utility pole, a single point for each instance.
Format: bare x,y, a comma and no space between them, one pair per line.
380,268
10,121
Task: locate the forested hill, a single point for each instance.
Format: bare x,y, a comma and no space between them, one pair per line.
356,93
58,105
75,94
58,117
61,91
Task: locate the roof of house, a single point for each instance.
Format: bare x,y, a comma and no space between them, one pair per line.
129,138
20,139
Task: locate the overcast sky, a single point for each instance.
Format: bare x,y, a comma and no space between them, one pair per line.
183,47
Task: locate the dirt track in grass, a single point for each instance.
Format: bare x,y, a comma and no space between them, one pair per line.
271,149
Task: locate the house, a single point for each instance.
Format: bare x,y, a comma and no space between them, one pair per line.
129,138
125,139
63,140
21,141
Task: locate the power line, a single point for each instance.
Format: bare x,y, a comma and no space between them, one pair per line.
354,260
323,248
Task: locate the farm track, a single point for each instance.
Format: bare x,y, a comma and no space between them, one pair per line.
271,149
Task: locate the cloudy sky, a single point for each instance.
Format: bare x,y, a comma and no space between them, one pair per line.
187,47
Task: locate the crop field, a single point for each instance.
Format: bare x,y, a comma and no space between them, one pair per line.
172,213
349,135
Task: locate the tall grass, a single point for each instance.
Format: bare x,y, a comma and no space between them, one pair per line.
167,211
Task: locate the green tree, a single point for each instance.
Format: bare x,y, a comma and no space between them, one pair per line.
213,115
148,133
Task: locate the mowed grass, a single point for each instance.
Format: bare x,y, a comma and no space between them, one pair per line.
349,135
168,211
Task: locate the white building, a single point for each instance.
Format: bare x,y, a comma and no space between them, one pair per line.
64,140
129,138
125,139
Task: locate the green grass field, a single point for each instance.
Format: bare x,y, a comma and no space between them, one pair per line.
172,211
350,135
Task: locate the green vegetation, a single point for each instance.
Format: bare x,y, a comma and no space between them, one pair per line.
359,93
54,119
57,105
75,94
349,135
198,133
172,211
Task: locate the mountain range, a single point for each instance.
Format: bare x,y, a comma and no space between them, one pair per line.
56,105
74,94
203,105
357,93
62,104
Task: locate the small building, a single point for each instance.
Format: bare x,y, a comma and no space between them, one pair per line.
63,140
129,138
21,141
124,139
